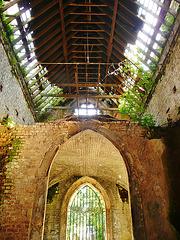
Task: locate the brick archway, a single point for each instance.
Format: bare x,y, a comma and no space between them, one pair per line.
38,215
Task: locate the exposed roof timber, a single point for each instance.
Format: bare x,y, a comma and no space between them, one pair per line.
59,73
53,18
36,79
161,20
88,37
10,4
88,5
123,44
52,43
45,8
122,15
40,84
55,60
146,54
36,25
165,7
54,68
109,50
85,51
77,22
49,38
140,19
12,17
56,78
112,31
162,15
33,74
71,96
89,30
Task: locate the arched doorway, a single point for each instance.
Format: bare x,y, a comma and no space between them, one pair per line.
86,215
88,153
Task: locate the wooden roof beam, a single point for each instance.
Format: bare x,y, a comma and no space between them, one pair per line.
63,79
89,84
87,22
56,72
55,79
78,51
89,30
87,5
64,39
55,60
45,8
84,13
53,42
37,24
71,96
8,5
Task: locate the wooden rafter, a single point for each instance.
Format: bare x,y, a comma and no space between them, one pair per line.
109,51
64,38
61,30
71,96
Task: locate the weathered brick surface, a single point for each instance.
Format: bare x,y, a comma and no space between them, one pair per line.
164,105
12,101
24,205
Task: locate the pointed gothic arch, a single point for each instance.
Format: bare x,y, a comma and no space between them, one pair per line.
137,212
75,187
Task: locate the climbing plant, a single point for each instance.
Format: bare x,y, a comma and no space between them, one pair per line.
10,145
132,102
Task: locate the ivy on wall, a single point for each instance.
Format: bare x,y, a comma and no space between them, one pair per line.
8,151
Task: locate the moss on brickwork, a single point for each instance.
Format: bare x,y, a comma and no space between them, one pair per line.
172,165
8,150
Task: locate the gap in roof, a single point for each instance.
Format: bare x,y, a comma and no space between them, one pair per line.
148,46
86,110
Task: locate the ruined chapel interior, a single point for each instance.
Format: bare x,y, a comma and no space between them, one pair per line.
89,120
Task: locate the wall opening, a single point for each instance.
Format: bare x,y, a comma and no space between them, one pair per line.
86,110
86,216
88,158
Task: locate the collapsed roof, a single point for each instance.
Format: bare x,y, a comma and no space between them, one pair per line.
78,45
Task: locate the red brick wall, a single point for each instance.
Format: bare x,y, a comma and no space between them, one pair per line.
23,207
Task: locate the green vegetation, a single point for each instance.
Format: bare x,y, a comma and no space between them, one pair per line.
10,145
169,20
86,215
132,102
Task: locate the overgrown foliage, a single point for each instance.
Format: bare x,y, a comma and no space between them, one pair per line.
138,83
86,215
8,150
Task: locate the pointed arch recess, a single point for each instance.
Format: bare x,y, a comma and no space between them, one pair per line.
76,186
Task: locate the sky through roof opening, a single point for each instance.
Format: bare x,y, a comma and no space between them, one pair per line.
86,110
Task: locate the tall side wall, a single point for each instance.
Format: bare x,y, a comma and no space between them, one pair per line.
12,101
165,102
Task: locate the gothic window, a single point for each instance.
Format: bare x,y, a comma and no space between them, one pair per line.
86,215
